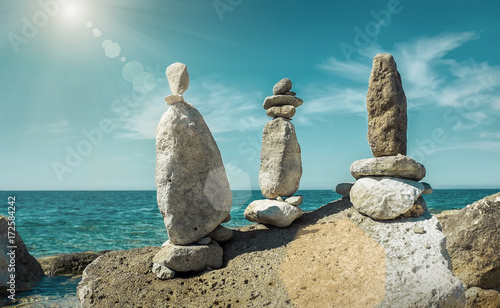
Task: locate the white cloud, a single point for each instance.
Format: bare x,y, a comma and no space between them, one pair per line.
59,126
352,70
223,107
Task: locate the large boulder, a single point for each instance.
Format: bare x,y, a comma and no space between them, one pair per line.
69,264
384,197
332,256
398,166
280,161
272,212
386,103
16,261
474,242
193,191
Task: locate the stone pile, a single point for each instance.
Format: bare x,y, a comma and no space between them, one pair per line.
387,186
193,191
280,161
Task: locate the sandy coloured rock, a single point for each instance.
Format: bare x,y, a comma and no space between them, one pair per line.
280,100
480,298
221,234
473,242
192,257
162,272
295,200
68,263
272,212
344,189
27,268
384,197
282,86
398,166
427,189
193,191
386,103
418,208
285,111
178,78
280,161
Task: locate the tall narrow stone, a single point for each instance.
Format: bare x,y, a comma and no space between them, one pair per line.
386,103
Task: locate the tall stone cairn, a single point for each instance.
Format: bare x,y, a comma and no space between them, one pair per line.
280,161
193,191
386,102
387,186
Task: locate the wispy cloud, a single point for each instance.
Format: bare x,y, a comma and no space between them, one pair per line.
224,108
59,126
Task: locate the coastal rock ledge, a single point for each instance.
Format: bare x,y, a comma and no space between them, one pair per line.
330,257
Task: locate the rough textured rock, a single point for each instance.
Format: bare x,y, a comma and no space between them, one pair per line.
285,111
427,188
27,268
479,298
189,258
295,200
280,100
221,234
272,212
68,263
178,78
193,192
384,262
384,197
344,189
418,208
282,86
163,272
473,242
386,102
280,161
398,166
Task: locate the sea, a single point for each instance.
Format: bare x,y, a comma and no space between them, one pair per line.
54,222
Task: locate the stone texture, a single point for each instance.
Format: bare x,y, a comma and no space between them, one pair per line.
189,258
384,264
280,100
295,200
344,189
178,78
163,272
285,111
427,188
172,99
27,268
473,242
386,103
272,212
398,166
384,197
204,241
280,161
221,234
479,298
418,208
68,263
193,192
282,86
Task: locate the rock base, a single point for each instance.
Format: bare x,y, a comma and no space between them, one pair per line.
272,212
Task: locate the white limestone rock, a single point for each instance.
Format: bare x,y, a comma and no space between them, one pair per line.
295,200
384,197
280,160
272,212
193,257
344,189
178,78
163,272
193,191
399,166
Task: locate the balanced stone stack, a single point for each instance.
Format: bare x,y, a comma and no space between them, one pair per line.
193,191
280,162
388,185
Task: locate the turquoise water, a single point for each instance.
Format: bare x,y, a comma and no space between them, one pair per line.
53,222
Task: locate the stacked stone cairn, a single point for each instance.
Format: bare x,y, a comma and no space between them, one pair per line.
193,191
387,186
280,162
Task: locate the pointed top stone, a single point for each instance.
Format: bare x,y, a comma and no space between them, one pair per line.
386,104
178,78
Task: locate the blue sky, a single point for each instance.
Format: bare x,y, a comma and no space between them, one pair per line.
83,85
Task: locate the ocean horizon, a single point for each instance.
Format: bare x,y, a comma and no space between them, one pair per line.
55,222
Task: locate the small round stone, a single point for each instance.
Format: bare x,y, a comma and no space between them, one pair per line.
283,86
